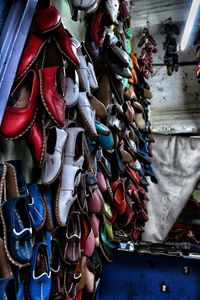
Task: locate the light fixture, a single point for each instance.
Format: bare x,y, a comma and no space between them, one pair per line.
189,24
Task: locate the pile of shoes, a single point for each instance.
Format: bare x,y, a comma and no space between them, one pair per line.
197,44
83,109
170,47
146,56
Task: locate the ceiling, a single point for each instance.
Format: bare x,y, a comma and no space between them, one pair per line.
157,11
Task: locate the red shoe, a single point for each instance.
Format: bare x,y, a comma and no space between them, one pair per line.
66,45
98,29
47,18
118,188
20,114
87,238
37,141
132,174
33,48
198,70
52,98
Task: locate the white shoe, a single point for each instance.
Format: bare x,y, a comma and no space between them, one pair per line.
112,7
72,89
53,161
87,114
82,4
71,173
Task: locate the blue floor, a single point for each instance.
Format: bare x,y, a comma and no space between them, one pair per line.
148,277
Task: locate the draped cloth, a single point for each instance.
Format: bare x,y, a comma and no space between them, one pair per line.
176,160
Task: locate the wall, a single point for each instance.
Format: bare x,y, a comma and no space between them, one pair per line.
176,103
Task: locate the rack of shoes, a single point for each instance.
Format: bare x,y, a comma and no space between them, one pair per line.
82,107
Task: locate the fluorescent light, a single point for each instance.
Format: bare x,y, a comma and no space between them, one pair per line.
189,23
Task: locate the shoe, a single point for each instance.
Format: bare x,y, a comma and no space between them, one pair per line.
106,246
101,181
124,9
47,17
48,198
84,72
87,238
104,136
94,220
22,107
21,183
129,112
57,271
118,55
95,201
98,28
72,87
36,207
71,173
118,189
87,114
54,155
112,7
119,70
72,277
82,5
70,244
52,94
66,45
17,227
117,87
39,281
6,274
32,49
98,106
103,94
36,140
92,77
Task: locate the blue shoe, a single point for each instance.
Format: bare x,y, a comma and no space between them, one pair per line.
36,206
18,284
17,230
17,227
105,137
48,241
149,171
5,272
49,203
39,284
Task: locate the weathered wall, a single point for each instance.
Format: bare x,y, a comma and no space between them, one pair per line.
176,103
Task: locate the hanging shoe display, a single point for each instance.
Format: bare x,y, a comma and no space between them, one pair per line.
83,109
